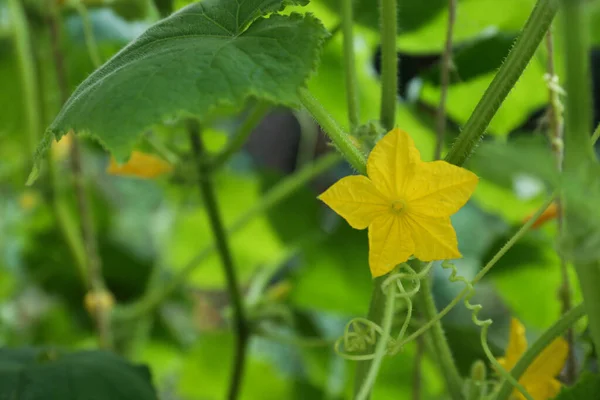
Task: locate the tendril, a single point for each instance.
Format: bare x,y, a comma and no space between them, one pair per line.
361,335
484,325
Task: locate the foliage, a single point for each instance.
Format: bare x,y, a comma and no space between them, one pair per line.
261,77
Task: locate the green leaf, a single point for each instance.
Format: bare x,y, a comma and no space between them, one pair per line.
587,388
209,55
35,374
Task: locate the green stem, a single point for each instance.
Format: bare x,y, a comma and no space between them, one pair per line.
309,136
596,135
375,314
65,221
29,81
557,145
340,139
557,329
93,262
440,344
578,110
282,191
579,155
88,33
257,114
445,80
382,344
241,325
514,65
350,64
389,63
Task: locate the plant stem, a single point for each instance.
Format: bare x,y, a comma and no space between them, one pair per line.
389,63
282,191
440,344
375,314
257,114
65,221
596,135
565,322
516,61
556,140
417,366
366,385
29,81
445,80
212,208
309,136
340,139
93,263
88,33
579,155
350,64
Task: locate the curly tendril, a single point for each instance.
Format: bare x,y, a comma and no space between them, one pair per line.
360,335
484,325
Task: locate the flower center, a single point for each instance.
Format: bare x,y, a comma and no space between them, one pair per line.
398,206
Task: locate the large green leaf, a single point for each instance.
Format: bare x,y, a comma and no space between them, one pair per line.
48,375
212,54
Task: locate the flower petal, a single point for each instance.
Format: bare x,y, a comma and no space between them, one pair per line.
391,161
517,344
544,389
434,238
439,189
389,244
140,165
357,200
548,363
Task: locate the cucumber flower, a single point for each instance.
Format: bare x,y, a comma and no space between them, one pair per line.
140,165
538,379
406,203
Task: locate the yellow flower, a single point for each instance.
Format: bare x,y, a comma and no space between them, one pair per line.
140,165
538,379
406,203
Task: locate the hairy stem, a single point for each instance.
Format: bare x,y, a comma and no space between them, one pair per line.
512,68
257,114
556,141
156,295
340,139
579,155
564,323
93,263
389,63
29,81
417,369
440,344
88,33
366,386
445,81
241,325
350,63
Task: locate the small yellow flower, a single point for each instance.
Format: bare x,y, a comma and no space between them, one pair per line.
406,203
140,165
538,379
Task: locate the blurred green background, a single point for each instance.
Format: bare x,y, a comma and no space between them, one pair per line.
304,271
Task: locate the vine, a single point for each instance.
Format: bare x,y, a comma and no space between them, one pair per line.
361,333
